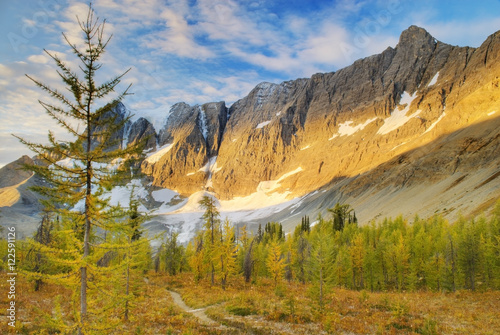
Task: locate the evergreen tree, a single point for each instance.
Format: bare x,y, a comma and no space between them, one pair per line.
211,217
36,260
227,253
136,254
248,261
172,254
196,257
320,260
469,255
301,254
88,174
342,215
275,262
357,252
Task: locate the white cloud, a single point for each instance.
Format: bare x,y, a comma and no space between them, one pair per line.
472,33
228,21
178,38
40,59
322,47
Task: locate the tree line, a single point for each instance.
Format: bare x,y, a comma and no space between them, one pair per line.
393,254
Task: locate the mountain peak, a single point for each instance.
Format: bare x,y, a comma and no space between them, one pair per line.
415,35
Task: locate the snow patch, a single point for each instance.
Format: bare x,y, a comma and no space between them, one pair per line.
262,124
210,168
192,204
398,117
346,128
263,197
491,113
399,145
305,148
158,154
435,123
120,195
203,123
163,195
433,80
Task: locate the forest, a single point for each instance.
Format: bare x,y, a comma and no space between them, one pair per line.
390,274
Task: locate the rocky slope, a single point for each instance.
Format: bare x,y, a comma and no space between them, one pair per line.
415,129
340,125
19,206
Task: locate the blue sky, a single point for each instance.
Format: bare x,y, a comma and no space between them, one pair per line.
209,50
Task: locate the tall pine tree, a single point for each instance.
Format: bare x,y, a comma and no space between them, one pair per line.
79,171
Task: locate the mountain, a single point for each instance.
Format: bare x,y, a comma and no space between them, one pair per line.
414,129
18,205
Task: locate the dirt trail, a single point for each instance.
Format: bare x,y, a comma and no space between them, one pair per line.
199,313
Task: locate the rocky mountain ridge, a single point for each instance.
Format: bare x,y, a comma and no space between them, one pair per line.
406,94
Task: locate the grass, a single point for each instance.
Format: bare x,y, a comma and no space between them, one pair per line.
262,308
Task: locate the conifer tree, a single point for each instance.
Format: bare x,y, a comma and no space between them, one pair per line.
248,261
342,215
469,255
196,252
275,262
212,231
78,171
227,252
302,249
136,255
357,251
35,259
321,258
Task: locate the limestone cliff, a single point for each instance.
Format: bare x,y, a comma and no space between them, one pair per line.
190,137
360,121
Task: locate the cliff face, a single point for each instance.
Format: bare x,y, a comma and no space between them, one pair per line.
188,141
308,133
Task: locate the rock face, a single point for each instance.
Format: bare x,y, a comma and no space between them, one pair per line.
118,115
341,125
415,129
13,174
188,141
142,130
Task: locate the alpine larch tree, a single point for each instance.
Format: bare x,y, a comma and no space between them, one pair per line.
78,172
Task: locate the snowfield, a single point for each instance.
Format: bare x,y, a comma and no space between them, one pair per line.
262,124
345,128
158,154
398,117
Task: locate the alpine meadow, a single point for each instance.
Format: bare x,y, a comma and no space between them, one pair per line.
360,201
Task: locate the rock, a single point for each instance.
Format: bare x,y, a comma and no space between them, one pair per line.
193,135
120,127
142,130
333,125
13,173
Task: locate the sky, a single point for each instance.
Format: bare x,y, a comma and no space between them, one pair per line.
207,50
